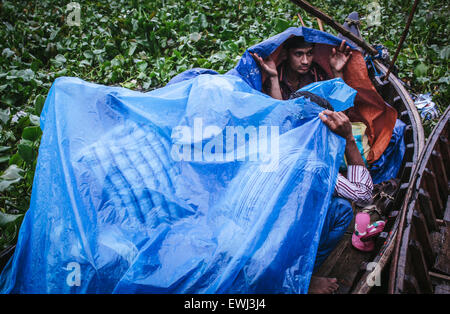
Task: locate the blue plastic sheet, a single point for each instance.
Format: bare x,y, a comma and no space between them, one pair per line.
113,212
390,162
140,193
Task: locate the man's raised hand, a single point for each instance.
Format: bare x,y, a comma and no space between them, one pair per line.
268,66
339,58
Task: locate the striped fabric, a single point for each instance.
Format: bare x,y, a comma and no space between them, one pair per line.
357,186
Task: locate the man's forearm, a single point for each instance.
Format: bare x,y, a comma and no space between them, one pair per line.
352,152
274,88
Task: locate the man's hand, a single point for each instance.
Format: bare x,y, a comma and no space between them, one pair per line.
268,66
339,58
338,122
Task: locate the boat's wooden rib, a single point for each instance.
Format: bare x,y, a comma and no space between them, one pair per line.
423,251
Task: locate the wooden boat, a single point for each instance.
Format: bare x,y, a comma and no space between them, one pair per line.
421,261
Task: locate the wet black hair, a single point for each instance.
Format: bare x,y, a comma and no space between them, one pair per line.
297,42
322,102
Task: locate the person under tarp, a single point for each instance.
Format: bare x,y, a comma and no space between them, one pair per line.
321,57
296,70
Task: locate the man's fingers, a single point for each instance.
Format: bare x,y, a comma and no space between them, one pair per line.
347,50
333,51
328,112
328,120
256,57
342,46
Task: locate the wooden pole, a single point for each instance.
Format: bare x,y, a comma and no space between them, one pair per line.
338,27
319,21
402,39
301,20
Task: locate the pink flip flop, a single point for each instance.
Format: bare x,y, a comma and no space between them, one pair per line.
362,246
365,231
362,221
373,230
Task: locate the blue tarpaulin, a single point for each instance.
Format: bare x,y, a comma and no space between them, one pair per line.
153,193
389,164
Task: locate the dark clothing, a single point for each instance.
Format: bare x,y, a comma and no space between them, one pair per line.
316,73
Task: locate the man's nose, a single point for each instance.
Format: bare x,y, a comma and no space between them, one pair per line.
304,59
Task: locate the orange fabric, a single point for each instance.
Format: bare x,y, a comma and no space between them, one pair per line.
369,107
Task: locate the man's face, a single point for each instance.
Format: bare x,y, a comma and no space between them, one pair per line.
300,59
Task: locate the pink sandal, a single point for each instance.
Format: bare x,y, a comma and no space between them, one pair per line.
373,230
365,231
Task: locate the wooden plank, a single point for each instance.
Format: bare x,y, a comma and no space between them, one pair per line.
404,115
407,170
420,267
443,258
445,151
441,174
431,186
427,209
447,212
422,234
434,275
442,289
411,285
440,282
328,265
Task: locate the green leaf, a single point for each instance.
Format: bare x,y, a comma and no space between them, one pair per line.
26,152
35,120
132,49
6,219
11,175
280,25
60,59
26,75
15,159
39,102
4,148
5,115
142,66
195,37
7,52
88,55
31,133
445,53
98,51
420,70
